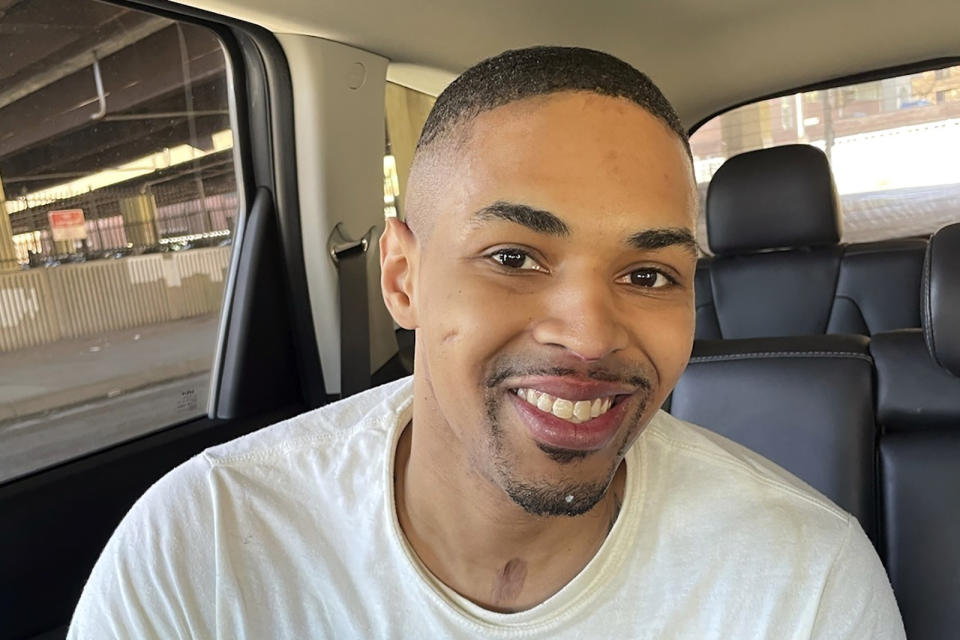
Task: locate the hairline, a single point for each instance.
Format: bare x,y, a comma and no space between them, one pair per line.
457,131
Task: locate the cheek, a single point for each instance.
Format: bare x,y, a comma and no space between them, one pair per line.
467,320
666,336
450,318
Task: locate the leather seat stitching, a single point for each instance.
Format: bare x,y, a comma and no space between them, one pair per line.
925,307
783,354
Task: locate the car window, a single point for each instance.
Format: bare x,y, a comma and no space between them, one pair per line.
891,144
406,111
117,208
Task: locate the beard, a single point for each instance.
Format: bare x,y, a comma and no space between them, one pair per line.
545,497
552,500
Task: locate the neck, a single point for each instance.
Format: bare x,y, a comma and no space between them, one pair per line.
471,536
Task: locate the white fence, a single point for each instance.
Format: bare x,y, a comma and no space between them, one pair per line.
76,300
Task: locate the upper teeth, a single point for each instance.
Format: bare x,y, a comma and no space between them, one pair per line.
575,411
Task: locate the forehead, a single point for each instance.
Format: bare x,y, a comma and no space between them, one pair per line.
575,153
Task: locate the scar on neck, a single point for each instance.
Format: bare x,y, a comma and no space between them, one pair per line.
509,582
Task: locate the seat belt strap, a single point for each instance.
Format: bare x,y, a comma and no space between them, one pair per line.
351,259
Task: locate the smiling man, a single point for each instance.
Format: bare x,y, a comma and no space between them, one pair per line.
523,484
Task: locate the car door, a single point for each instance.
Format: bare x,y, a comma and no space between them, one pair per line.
65,489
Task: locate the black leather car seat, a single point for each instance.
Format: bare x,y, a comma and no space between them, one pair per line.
878,288
806,403
773,225
918,407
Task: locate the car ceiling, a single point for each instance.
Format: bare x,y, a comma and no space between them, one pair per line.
705,55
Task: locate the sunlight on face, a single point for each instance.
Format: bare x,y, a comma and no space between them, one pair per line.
557,280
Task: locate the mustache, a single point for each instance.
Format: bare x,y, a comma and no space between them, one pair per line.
601,374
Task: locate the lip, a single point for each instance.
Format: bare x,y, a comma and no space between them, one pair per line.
552,431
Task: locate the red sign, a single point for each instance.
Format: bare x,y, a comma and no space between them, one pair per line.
67,224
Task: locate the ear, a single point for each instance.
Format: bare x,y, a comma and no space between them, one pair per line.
399,256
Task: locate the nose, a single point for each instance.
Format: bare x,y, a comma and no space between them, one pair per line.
582,317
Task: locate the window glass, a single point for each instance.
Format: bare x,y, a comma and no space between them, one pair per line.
117,202
406,112
891,143
391,185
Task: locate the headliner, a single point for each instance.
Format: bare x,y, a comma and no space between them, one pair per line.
705,55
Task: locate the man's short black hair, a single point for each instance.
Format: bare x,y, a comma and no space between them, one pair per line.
524,73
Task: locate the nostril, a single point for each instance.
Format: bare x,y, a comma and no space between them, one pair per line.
589,341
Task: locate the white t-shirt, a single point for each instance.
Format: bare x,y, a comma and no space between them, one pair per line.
291,532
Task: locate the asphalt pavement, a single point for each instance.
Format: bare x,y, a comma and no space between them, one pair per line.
36,442
39,379
73,397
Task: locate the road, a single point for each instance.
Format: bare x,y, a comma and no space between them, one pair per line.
59,435
62,400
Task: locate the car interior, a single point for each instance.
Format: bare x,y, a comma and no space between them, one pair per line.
835,357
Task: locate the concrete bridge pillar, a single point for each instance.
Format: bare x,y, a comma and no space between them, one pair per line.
8,252
138,214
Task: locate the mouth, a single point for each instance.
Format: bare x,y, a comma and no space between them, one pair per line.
574,411
573,417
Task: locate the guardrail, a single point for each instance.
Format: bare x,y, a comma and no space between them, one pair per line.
40,306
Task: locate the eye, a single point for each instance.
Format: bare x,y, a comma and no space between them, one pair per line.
648,278
516,259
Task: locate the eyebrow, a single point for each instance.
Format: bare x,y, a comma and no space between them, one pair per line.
545,222
652,239
535,219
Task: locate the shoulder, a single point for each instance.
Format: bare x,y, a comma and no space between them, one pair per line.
739,499
165,555
321,453
372,413
281,455
141,569
763,531
683,446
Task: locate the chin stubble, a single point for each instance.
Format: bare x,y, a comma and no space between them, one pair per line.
570,499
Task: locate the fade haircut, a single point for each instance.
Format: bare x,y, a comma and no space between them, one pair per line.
537,71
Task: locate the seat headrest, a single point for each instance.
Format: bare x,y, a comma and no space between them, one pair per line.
941,298
775,198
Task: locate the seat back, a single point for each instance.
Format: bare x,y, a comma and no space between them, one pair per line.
780,293
806,403
920,485
773,221
878,288
918,408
